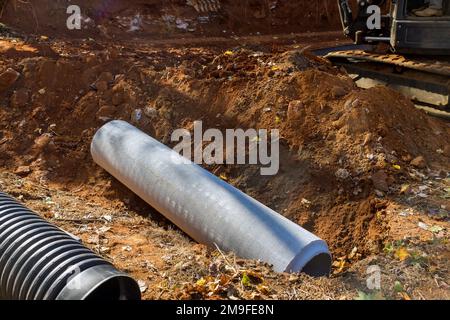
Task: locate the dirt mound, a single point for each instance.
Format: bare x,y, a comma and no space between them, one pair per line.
155,18
363,169
245,63
343,145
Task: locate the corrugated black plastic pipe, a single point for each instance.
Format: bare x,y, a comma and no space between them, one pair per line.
39,261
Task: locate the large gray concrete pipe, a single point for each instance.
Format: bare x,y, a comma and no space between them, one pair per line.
208,209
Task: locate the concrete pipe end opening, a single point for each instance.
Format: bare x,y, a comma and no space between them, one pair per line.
103,283
314,260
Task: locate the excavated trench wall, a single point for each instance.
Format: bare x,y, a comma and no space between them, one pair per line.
159,18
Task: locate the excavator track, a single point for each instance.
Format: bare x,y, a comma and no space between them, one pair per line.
436,67
425,81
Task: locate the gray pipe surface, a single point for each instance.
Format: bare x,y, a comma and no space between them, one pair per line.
207,208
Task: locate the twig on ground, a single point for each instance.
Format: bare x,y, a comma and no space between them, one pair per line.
226,260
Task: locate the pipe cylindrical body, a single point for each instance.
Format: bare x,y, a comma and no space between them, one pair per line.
39,261
207,208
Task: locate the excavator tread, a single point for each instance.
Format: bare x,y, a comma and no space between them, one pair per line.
429,66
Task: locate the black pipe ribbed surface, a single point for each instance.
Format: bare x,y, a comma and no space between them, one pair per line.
39,261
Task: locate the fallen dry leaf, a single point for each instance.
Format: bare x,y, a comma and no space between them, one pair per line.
402,254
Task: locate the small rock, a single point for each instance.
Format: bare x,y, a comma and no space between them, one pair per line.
342,174
117,98
379,193
93,239
23,171
142,286
423,226
294,278
103,229
446,150
407,158
106,76
295,110
104,119
8,78
106,112
105,250
351,103
41,142
348,103
336,116
20,98
380,181
306,202
422,195
107,218
101,86
338,92
150,112
127,248
353,253
419,162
